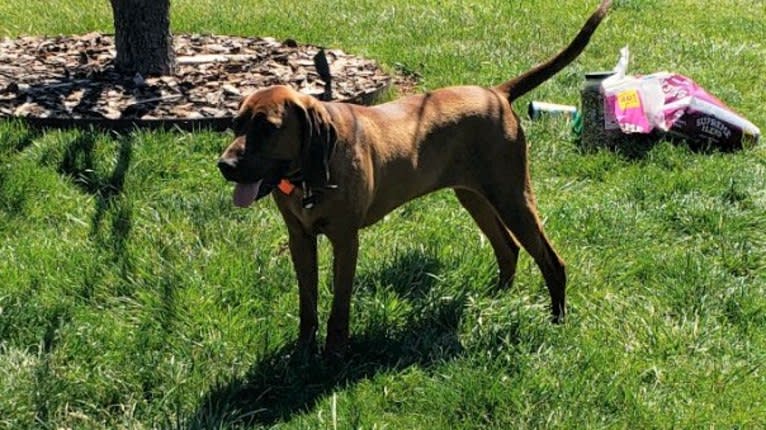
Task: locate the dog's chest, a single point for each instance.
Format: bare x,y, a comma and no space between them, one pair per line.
313,220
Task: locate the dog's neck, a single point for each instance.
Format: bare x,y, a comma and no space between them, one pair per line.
295,177
294,174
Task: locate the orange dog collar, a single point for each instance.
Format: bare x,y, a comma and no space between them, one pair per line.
286,187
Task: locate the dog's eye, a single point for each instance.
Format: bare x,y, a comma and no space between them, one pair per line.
258,130
263,127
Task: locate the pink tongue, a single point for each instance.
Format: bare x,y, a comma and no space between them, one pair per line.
245,194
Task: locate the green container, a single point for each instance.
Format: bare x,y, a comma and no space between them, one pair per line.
594,132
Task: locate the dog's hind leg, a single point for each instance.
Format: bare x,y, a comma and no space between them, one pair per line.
503,244
517,208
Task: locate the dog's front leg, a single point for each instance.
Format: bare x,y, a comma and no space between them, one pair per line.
303,250
345,250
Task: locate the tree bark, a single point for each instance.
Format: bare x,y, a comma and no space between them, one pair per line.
142,37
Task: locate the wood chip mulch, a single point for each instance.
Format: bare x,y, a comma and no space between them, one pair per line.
71,78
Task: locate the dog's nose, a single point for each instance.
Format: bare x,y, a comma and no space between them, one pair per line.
227,167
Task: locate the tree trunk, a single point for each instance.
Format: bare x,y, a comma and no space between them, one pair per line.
142,37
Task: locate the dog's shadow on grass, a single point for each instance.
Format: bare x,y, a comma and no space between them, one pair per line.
281,386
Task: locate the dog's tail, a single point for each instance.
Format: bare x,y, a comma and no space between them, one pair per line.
535,76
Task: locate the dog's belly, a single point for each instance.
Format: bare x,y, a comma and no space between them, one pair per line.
407,187
435,167
380,210
377,212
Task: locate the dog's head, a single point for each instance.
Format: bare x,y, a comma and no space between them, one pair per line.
277,131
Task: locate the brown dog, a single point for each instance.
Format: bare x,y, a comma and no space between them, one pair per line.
341,167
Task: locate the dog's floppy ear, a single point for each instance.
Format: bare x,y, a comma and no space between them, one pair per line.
318,144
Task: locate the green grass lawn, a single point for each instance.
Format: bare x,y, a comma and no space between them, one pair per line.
134,295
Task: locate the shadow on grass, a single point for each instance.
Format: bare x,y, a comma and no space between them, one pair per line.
410,274
16,137
78,164
638,147
282,385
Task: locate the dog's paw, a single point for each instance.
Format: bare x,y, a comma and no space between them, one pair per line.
557,314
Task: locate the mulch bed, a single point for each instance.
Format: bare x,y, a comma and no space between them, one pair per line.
71,81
